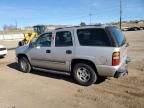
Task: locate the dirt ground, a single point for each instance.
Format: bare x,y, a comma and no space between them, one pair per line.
45,90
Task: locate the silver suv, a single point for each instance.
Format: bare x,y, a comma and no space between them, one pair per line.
85,52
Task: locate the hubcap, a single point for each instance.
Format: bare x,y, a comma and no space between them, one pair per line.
83,74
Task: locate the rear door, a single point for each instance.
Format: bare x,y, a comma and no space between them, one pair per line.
63,50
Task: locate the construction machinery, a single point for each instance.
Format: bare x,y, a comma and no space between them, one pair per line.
38,29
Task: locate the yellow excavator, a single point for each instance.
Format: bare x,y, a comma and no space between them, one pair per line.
38,29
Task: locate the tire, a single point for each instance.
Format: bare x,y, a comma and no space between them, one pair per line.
24,64
3,56
84,74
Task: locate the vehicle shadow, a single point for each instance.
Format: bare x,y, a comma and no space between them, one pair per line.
44,74
67,78
100,80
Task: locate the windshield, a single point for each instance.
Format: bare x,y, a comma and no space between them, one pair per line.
117,35
34,39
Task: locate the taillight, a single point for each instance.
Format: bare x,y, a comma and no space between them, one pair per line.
115,58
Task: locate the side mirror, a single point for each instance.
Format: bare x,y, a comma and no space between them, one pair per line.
32,44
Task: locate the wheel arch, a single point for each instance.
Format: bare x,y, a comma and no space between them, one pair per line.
89,62
23,55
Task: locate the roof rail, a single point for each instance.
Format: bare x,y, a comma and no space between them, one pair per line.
66,27
78,26
94,25
59,28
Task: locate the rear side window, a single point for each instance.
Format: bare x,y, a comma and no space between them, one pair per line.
117,35
93,37
63,38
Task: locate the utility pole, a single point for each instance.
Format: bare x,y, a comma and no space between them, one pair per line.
120,13
90,15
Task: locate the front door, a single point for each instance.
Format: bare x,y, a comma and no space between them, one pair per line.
41,52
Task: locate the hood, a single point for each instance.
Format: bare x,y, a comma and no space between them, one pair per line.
21,49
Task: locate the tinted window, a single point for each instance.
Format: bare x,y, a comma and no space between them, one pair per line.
93,37
63,38
118,35
44,40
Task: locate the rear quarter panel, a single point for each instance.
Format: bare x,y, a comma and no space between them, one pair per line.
98,55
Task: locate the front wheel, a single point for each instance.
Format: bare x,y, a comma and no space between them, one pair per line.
24,64
84,74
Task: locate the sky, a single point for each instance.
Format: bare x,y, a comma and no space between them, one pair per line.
67,12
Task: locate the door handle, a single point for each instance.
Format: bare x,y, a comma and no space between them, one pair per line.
48,51
68,52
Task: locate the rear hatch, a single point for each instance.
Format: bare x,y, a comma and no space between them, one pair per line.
119,42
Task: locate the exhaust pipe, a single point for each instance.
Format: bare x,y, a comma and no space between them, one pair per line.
120,74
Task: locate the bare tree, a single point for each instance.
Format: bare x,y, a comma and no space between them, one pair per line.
9,27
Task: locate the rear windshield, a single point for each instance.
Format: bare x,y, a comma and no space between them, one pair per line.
93,37
117,35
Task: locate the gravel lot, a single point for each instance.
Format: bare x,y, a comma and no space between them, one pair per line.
44,90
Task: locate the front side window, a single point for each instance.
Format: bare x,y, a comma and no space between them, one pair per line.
93,37
63,38
44,40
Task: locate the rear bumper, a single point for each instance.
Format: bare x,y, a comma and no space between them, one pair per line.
122,71
113,71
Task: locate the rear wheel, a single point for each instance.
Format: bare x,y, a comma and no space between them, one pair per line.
24,64
84,74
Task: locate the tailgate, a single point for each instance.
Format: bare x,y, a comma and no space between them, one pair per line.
123,52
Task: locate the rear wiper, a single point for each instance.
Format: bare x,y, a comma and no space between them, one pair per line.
127,44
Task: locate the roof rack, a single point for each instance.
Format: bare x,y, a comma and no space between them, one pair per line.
94,25
59,28
66,27
78,26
